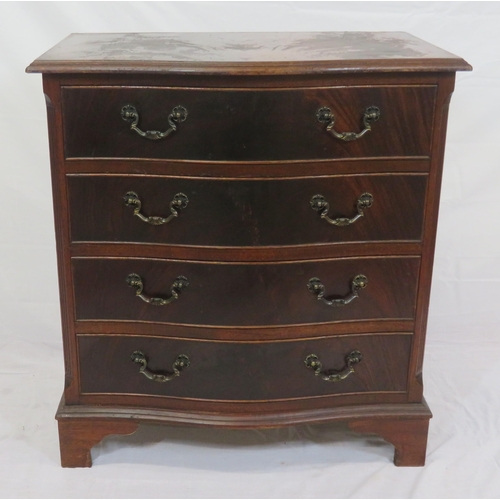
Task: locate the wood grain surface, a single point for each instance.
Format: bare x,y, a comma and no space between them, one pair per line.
243,371
403,425
245,294
250,156
246,213
247,125
245,53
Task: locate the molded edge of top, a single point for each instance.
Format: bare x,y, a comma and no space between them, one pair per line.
246,54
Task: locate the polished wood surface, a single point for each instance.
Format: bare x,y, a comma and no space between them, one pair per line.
409,437
247,125
61,227
78,436
248,170
249,156
246,213
430,230
243,408
246,254
243,370
246,420
245,53
245,333
403,425
245,294
237,82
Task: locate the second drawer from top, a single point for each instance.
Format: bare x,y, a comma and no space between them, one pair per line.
232,213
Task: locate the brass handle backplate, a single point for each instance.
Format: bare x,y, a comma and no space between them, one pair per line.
180,363
325,115
319,204
177,115
317,288
312,361
135,281
179,202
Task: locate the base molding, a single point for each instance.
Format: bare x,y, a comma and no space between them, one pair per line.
404,425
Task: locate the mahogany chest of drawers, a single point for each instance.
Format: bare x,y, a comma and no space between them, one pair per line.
245,229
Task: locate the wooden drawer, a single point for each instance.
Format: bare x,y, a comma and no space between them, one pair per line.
246,213
250,294
247,125
236,371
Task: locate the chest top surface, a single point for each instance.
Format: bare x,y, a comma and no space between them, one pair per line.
245,53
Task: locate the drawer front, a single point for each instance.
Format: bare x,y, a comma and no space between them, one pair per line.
247,125
244,294
239,371
246,213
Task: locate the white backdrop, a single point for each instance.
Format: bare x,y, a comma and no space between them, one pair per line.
462,366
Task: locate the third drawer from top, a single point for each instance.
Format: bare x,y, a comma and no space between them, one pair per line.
245,294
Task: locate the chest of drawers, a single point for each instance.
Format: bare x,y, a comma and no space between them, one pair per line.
245,229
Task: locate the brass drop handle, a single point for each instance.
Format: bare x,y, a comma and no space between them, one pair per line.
179,202
319,204
135,281
180,363
325,115
317,288
312,361
177,115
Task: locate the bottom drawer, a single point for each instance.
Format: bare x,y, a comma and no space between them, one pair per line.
244,371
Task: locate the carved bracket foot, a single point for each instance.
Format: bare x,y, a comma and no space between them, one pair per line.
409,437
78,436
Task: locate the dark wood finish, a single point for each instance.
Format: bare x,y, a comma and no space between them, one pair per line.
245,82
409,437
234,419
51,90
245,294
250,144
245,333
78,436
405,426
251,254
430,229
241,407
246,213
247,125
248,371
248,170
245,53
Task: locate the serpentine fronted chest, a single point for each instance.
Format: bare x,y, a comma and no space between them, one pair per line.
245,229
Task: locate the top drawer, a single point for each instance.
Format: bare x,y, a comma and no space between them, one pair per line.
246,125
